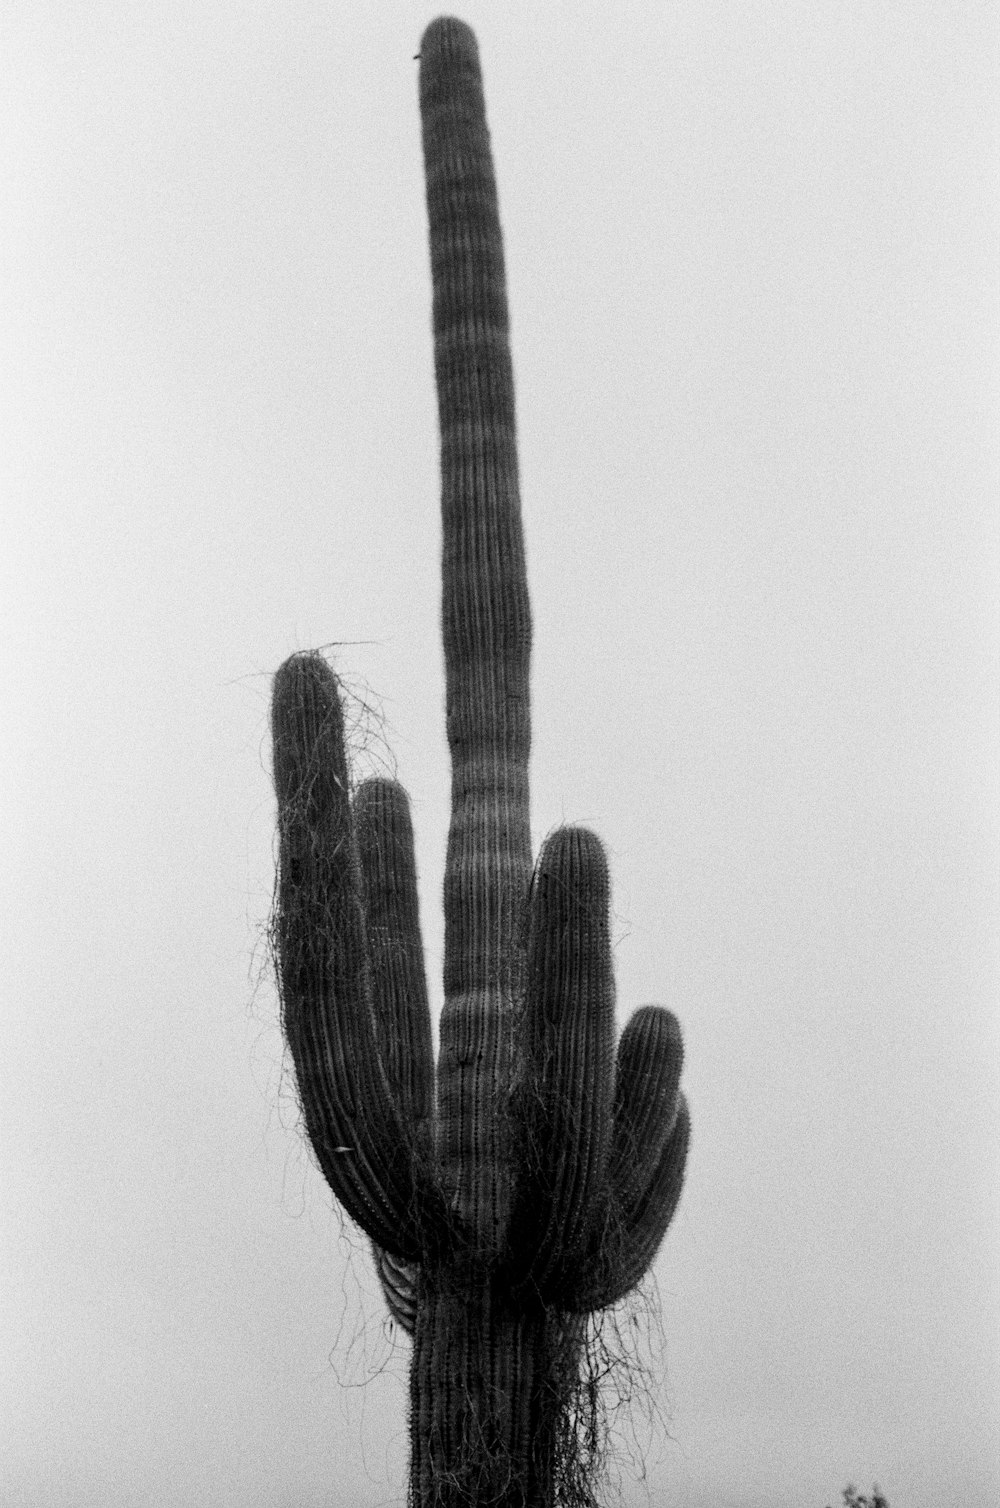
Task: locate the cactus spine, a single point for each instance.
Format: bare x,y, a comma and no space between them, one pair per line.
529,1178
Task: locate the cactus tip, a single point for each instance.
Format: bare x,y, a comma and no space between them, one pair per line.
447,34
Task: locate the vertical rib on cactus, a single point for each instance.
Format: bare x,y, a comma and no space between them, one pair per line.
531,1180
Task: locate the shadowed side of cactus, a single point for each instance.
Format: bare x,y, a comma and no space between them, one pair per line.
528,1178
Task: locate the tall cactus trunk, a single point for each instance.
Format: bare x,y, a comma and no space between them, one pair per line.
489,1387
486,621
479,1437
528,1179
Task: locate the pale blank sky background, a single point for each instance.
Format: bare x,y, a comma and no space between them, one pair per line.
752,264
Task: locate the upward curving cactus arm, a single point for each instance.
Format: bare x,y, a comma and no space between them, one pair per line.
569,1041
352,1117
646,1168
402,1020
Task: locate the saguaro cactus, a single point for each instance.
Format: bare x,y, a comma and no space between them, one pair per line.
528,1179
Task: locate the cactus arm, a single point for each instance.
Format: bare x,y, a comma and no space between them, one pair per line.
487,633
384,835
647,1085
324,971
649,1146
569,1041
630,1244
649,1222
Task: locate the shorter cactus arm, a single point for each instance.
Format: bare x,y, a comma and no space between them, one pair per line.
384,835
646,1169
324,974
647,1085
569,1038
652,1217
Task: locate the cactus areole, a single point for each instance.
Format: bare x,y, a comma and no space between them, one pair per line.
526,1179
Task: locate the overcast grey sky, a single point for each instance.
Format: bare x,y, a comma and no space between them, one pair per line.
752,264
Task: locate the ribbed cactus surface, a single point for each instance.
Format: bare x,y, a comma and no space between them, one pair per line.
528,1177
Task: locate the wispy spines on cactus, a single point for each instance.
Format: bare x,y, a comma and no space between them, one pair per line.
353,1114
530,1179
650,1136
